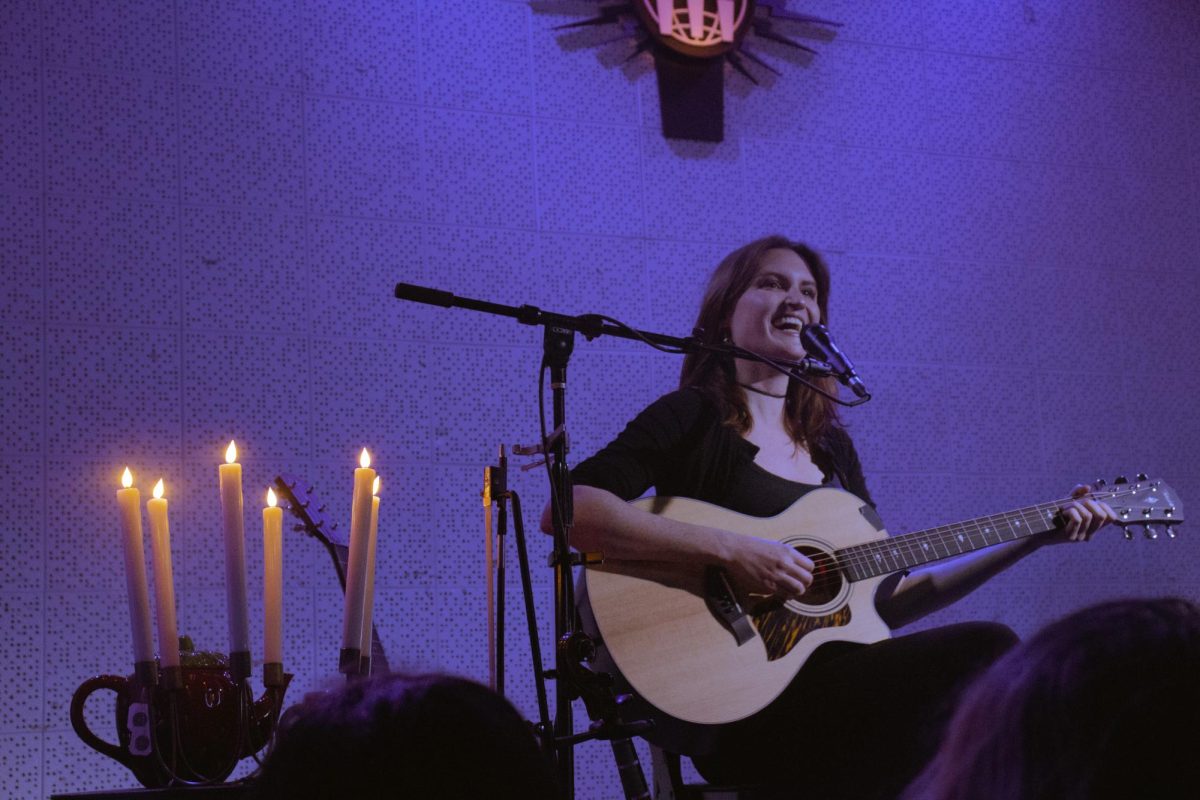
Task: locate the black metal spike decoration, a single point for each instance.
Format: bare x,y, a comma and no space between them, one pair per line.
691,77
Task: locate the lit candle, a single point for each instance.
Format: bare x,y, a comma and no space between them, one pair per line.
235,559
273,581
129,501
360,526
164,580
369,598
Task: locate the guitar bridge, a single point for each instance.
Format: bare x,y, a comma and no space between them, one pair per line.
722,602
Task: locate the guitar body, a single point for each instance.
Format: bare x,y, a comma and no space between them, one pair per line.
700,653
659,628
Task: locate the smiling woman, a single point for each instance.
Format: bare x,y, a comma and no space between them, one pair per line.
756,442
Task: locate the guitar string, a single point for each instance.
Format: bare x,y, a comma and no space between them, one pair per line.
829,570
954,534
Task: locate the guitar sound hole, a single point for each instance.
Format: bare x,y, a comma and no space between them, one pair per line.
827,578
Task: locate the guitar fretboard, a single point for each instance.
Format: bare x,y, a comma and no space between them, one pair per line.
896,553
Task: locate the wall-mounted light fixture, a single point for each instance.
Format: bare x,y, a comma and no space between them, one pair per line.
691,40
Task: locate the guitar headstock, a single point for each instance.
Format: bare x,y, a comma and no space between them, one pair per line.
1149,503
303,504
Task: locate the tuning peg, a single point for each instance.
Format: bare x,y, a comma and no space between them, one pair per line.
1099,483
1170,531
1149,532
1121,479
1141,476
1128,534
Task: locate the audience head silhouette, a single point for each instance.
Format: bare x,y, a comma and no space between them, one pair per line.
1102,704
406,736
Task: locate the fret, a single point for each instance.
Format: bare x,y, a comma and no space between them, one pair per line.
895,553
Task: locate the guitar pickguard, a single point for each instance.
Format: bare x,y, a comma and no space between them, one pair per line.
782,629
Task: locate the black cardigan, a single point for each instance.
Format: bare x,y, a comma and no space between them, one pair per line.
679,446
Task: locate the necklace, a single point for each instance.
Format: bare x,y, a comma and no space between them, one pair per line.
756,390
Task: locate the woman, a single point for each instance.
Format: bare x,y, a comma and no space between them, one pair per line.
1102,704
743,436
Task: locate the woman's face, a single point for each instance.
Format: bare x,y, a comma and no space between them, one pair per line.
780,300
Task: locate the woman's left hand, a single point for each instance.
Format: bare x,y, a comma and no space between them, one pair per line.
1082,518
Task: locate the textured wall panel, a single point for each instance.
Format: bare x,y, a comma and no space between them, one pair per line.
950,419
498,266
87,634
111,135
96,36
609,389
112,262
592,275
1112,332
680,192
22,532
138,411
21,764
588,179
262,166
363,158
1017,109
21,388
832,197
368,397
234,44
368,48
72,766
21,615
920,311
350,269
478,169
235,379
1093,32
849,93
1085,444
676,274
21,126
570,65
83,528
468,419
244,270
476,57
20,35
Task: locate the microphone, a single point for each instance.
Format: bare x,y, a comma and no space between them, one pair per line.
817,340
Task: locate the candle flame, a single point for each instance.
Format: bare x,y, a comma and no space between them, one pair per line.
158,490
375,486
127,478
231,453
364,459
271,501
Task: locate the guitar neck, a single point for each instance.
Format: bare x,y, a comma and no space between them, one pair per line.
896,553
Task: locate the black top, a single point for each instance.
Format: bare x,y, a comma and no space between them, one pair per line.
679,446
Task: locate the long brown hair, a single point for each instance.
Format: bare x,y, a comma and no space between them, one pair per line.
1079,712
808,417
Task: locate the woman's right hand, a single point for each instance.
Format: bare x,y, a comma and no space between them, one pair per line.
766,567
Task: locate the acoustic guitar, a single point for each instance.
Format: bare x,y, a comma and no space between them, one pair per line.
698,649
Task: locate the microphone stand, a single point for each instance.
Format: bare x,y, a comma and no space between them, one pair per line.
558,341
